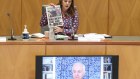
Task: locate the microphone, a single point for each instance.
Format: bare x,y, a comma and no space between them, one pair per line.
12,31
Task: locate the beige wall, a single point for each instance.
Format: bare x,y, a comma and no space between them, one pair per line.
114,17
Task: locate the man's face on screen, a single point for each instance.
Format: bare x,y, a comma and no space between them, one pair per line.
78,71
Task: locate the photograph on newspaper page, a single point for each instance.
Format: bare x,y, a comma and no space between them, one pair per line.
54,15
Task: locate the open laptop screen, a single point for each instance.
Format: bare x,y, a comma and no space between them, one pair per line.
77,67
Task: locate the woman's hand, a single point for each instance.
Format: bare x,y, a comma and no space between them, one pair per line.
52,4
58,29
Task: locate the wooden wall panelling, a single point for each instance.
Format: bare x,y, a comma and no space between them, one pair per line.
31,15
129,60
18,61
82,7
13,7
93,16
124,17
75,50
46,2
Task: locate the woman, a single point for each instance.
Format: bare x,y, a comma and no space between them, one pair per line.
70,18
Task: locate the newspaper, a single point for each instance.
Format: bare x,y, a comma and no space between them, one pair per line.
54,15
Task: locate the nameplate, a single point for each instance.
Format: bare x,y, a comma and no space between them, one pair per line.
2,39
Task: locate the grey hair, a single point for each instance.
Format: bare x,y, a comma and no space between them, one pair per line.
79,63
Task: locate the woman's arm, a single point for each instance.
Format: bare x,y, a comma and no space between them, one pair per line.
75,23
43,21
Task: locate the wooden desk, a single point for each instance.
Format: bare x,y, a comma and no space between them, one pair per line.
17,58
74,48
128,49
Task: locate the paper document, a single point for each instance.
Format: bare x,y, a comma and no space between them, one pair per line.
92,37
37,35
54,15
2,39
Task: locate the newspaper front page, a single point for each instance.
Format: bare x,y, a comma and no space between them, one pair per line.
54,15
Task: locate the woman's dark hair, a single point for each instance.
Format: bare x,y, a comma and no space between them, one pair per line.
71,9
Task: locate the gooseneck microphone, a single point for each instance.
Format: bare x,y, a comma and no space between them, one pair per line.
12,31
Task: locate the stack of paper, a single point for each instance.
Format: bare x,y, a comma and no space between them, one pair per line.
2,39
91,37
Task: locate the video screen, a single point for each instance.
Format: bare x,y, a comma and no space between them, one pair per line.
77,67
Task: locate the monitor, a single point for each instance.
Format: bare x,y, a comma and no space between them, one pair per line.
77,67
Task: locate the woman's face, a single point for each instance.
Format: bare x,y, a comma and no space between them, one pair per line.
66,4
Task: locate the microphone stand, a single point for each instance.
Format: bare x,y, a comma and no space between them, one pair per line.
73,34
12,32
12,35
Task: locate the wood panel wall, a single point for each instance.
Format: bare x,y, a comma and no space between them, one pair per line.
93,15
124,17
114,17
31,14
12,7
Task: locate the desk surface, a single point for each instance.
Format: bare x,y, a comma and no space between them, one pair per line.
124,40
115,40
